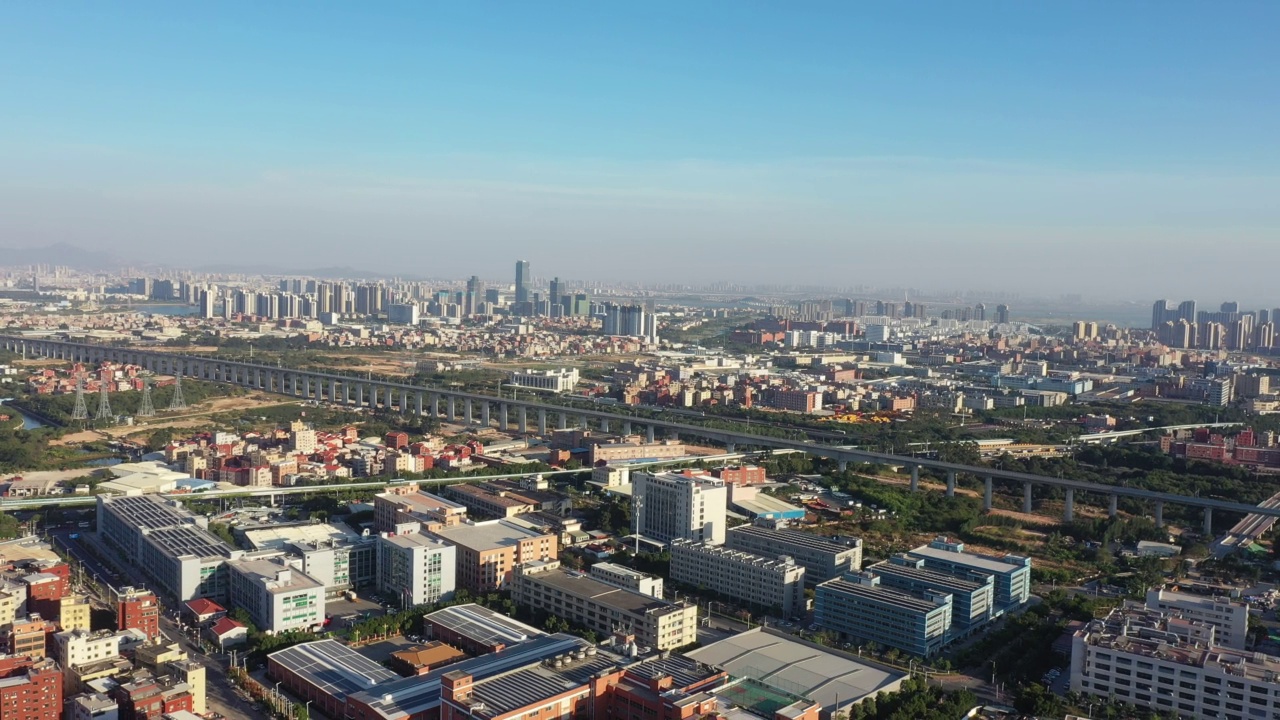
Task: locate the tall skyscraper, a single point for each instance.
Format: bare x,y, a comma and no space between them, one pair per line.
471,300
556,290
1002,313
522,281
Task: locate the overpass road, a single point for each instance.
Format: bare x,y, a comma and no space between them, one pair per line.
524,415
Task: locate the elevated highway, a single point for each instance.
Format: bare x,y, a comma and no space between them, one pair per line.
523,416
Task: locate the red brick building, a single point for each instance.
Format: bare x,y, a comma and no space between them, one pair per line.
741,475
29,689
148,699
139,610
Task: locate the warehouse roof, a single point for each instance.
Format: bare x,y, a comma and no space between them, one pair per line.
777,659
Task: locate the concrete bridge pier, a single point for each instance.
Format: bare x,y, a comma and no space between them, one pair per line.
484,414
951,483
435,405
346,393
417,403
1159,513
542,421
1208,522
453,408
649,434
562,421
524,420
466,409
915,478
1112,503
1026,497
583,423
732,448
1069,505
404,401
626,427
333,391
503,425
604,425
986,493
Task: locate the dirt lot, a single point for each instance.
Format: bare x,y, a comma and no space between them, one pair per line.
199,415
77,438
56,475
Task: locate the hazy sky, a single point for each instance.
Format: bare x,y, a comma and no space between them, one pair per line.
1120,148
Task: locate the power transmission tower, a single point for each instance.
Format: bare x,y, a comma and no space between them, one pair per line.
81,411
104,404
177,403
146,409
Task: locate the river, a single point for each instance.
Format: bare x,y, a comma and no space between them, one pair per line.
28,422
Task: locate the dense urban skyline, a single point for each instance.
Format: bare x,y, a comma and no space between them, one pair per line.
1029,148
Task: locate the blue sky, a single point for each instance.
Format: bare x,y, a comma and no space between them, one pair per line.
992,139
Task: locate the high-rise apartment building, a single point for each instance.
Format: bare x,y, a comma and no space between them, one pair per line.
670,505
1002,314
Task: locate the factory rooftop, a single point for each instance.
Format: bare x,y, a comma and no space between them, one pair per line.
482,625
795,537
189,541
149,511
407,697
334,668
981,562
487,535
832,679
584,586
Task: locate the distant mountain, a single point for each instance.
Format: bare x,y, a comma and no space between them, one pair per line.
59,254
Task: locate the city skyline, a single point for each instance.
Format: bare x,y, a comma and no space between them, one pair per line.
1034,150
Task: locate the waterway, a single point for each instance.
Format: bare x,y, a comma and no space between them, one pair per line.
28,422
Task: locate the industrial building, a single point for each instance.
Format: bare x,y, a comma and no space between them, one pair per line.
860,608
627,579
823,559
477,629
408,504
973,595
775,584
277,596
488,552
1012,572
1160,661
670,505
833,679
417,569
580,599
338,558
169,543
1229,618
